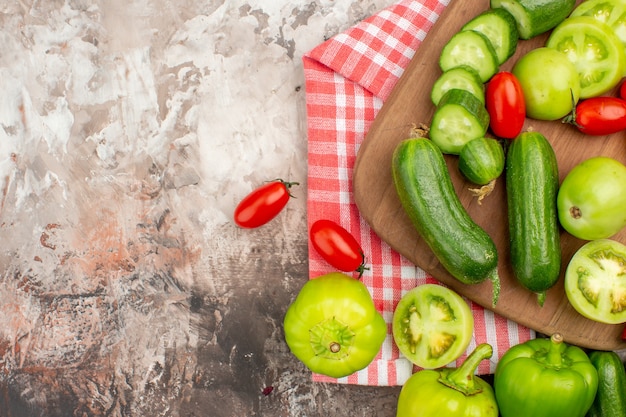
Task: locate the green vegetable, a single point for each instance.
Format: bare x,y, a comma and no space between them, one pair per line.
592,199
470,48
459,118
432,325
611,12
449,392
535,17
547,94
595,281
333,326
545,378
482,160
425,189
499,26
463,78
532,182
594,49
610,399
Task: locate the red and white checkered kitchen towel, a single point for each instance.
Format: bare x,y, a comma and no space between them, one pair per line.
347,80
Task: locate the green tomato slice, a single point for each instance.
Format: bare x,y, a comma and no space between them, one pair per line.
594,49
595,281
432,326
610,12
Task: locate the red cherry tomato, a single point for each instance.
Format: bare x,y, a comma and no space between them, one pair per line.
624,334
599,116
505,103
263,204
337,246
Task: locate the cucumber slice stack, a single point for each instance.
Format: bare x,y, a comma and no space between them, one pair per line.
468,60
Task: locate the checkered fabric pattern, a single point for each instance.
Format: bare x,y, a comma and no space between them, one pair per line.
348,78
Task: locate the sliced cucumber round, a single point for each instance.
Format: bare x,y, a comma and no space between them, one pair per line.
500,27
464,78
459,118
473,49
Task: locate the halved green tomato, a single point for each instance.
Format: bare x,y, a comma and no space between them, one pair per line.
432,326
594,49
595,281
611,12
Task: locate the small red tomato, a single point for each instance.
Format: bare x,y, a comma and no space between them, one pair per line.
263,204
624,333
599,116
505,104
337,246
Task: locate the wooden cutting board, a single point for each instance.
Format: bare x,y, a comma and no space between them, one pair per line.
374,192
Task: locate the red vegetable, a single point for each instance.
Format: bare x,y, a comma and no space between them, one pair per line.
505,103
337,246
263,204
599,116
624,333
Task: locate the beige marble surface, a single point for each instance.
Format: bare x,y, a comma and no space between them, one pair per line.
129,130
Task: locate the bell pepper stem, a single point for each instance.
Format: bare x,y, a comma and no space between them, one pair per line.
554,357
462,378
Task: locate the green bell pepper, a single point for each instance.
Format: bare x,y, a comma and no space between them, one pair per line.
449,392
545,378
333,326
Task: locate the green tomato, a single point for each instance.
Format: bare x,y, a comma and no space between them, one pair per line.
592,199
432,325
333,326
595,281
550,83
450,392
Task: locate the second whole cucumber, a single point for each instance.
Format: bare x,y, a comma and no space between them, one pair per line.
532,183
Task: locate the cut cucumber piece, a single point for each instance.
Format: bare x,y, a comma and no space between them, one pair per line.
535,17
459,118
473,49
500,27
463,78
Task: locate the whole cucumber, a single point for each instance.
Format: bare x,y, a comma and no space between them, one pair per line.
532,182
610,398
425,189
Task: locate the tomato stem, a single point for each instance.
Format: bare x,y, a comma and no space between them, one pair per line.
331,339
575,212
362,268
287,185
571,118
